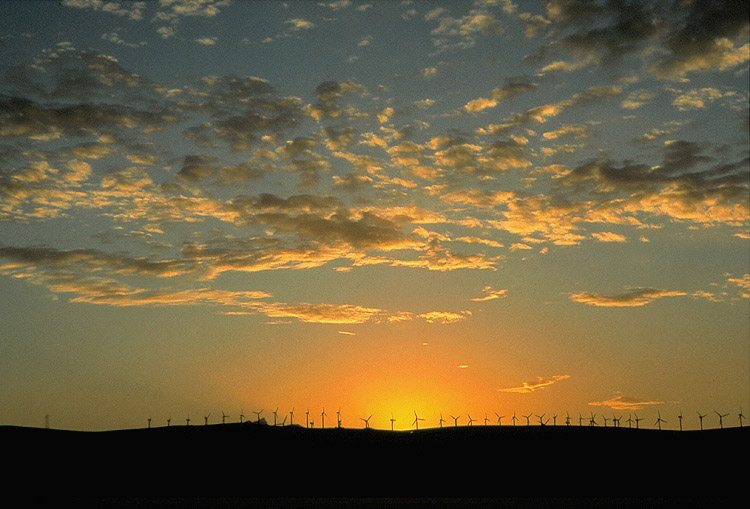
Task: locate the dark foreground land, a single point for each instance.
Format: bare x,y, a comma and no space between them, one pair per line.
265,462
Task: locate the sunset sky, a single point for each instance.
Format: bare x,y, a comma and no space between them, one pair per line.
385,207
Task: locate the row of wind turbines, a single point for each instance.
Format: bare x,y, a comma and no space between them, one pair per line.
590,421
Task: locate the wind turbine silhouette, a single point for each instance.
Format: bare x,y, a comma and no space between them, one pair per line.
527,418
366,421
616,421
455,420
242,415
514,418
541,422
307,418
554,419
291,417
630,420
659,420
283,423
499,419
700,417
679,416
394,420
275,415
592,420
441,420
169,419
605,420
740,416
721,419
471,421
338,418
416,420
258,414
323,419
223,417
637,420
149,422
205,419
187,421
567,419
485,419
580,419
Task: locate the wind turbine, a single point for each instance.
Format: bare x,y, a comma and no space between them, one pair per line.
514,418
367,421
630,420
149,422
659,420
616,421
721,419
283,423
499,419
527,418
592,420
441,420
471,421
455,420
740,416
554,419
700,417
680,418
567,419
485,419
169,419
205,419
275,415
307,418
258,414
242,415
338,418
637,420
605,420
291,417
580,419
416,420
323,419
541,422
187,421
394,420
223,417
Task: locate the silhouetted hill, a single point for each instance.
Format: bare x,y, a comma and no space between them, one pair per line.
251,460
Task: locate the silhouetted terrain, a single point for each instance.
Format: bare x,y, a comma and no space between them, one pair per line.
250,460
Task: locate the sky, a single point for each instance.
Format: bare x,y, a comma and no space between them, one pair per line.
450,208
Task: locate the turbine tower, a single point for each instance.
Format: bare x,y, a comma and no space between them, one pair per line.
275,415
471,421
338,418
592,420
149,422
242,415
258,414
485,419
223,417
721,419
394,420
323,419
680,418
441,420
307,418
541,417
740,416
567,419
416,420
283,422
514,418
616,421
630,420
605,420
291,417
700,417
187,421
580,419
367,421
554,419
169,419
527,417
499,419
455,420
205,419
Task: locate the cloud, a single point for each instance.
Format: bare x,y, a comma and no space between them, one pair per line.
206,41
634,298
609,237
541,383
461,33
491,294
697,98
300,24
621,402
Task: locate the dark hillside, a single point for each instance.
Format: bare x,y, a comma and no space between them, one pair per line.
250,460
